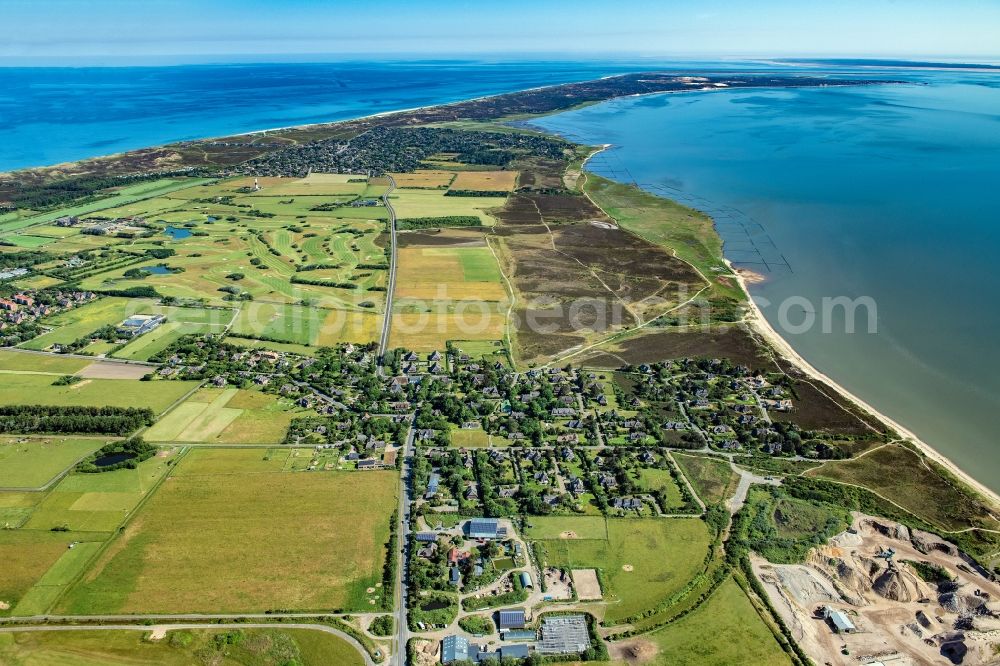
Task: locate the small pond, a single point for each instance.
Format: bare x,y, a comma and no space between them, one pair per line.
113,459
157,270
177,233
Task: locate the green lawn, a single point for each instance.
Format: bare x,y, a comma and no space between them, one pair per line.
550,527
247,542
60,365
125,195
74,324
16,389
660,479
181,647
97,502
713,479
642,561
27,555
226,416
33,463
724,630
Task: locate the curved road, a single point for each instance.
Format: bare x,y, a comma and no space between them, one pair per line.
171,627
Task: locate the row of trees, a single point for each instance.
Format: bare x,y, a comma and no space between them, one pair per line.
29,419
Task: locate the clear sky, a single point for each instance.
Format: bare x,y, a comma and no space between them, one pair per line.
217,29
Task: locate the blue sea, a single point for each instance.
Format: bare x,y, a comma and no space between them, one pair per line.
885,192
59,114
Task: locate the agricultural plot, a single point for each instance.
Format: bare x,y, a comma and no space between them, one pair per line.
642,561
31,463
699,638
424,178
485,181
249,542
426,331
448,293
97,502
16,507
313,184
225,416
306,326
449,273
12,361
19,389
27,556
433,203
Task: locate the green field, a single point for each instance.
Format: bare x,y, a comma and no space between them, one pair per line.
724,630
306,325
641,562
433,203
29,242
74,324
16,507
248,542
34,462
19,389
713,479
180,322
660,479
27,556
97,502
180,647
289,347
916,484
124,195
225,416
58,365
550,527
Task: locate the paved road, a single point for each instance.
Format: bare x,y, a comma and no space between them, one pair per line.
746,480
171,627
383,343
405,491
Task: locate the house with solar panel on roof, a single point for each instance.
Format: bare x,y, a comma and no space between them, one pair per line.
485,528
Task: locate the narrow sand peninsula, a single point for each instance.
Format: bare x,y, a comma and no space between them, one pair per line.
760,324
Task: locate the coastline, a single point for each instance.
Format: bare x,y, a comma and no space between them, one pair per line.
759,323
755,319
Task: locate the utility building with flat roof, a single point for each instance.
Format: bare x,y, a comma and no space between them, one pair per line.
483,528
511,619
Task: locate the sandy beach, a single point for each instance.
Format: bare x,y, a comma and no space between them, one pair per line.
761,325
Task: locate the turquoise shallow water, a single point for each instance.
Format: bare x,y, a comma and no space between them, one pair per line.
887,192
